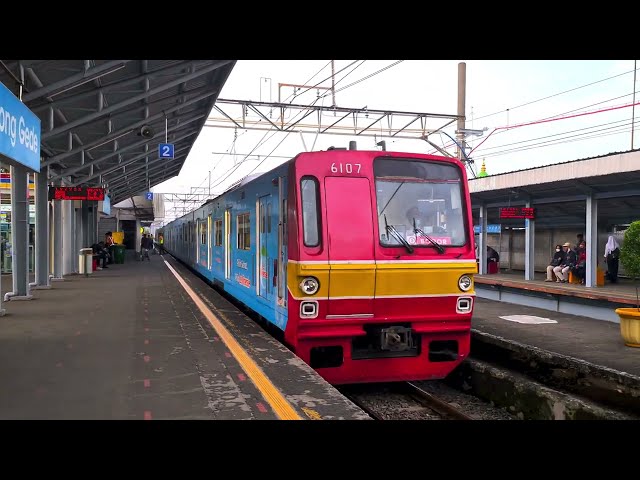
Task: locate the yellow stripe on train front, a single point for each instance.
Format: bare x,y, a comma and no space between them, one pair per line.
382,279
429,280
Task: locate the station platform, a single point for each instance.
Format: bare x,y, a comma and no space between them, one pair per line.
592,302
589,340
137,341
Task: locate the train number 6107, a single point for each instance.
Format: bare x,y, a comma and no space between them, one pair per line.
346,167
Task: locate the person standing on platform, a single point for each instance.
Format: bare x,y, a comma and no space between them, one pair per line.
108,243
612,257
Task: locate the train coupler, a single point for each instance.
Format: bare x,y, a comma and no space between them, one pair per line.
396,339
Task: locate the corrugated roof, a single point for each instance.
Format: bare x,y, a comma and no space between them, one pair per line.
92,112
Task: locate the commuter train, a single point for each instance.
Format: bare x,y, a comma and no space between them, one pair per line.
364,259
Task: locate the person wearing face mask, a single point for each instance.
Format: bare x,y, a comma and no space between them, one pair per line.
569,262
556,261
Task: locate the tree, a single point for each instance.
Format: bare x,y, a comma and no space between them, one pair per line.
630,254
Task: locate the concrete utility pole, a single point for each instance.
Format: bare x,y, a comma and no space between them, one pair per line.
633,107
462,82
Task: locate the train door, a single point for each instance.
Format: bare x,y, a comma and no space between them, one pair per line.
209,242
198,252
264,228
350,245
189,241
227,244
203,243
218,247
194,241
280,267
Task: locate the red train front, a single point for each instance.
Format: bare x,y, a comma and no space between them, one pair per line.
380,265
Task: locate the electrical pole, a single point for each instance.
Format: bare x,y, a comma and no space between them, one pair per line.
633,107
462,80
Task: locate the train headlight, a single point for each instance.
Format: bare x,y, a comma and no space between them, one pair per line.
309,285
464,283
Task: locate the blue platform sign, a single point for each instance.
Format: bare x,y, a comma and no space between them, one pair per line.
165,150
19,131
149,195
105,205
490,228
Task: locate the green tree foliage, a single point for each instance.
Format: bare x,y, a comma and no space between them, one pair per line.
630,251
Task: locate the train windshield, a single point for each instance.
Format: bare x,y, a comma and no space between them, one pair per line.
422,201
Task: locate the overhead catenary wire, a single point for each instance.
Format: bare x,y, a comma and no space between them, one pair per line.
367,77
564,116
554,95
547,120
324,80
299,113
561,115
262,141
311,78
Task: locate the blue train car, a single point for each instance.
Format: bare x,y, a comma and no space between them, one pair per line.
218,241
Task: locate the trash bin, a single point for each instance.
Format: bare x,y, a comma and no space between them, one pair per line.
118,253
85,261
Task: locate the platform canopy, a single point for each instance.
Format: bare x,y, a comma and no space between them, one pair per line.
103,121
559,191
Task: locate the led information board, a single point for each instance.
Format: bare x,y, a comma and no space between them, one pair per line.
76,193
518,212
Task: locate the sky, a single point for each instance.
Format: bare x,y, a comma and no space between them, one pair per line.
531,112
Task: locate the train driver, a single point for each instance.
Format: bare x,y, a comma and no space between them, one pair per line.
423,221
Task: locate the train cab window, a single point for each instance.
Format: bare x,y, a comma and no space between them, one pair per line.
422,201
310,215
218,233
244,232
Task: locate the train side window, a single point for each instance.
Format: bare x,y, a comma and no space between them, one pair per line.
218,233
244,232
268,217
203,233
310,215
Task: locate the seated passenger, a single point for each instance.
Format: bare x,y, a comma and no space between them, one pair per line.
580,268
101,252
492,255
570,259
556,261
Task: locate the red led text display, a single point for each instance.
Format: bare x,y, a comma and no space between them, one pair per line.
518,212
76,193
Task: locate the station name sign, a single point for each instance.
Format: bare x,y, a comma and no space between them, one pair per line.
518,212
76,193
19,131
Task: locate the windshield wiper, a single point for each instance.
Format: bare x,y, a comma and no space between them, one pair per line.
396,235
390,198
417,230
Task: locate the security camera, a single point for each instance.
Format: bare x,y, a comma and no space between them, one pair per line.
146,131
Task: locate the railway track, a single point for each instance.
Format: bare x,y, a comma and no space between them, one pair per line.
445,409
403,400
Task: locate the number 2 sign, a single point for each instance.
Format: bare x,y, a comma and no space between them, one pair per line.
165,150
